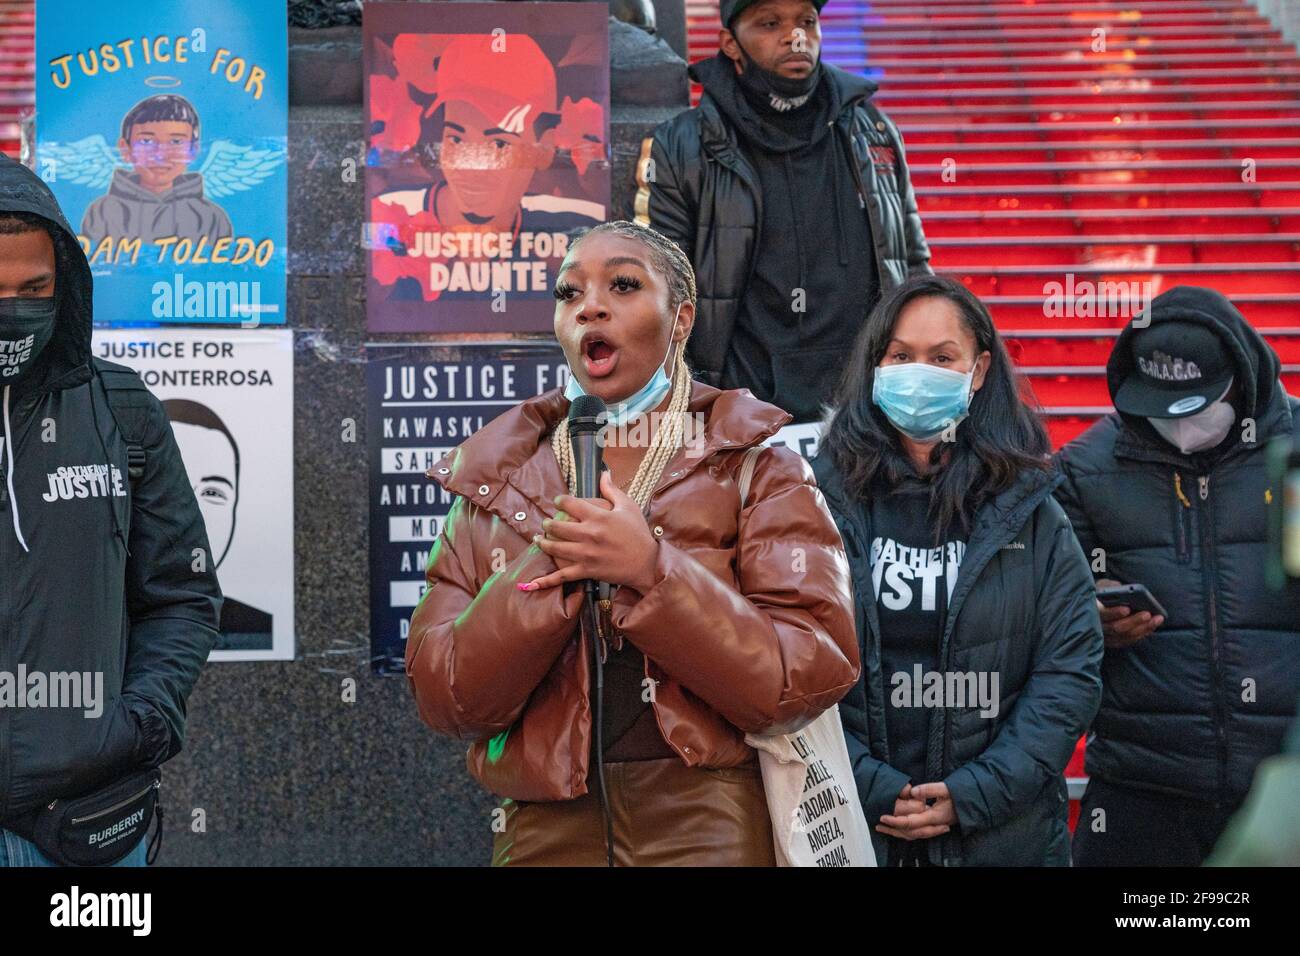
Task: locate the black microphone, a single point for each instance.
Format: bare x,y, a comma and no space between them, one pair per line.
587,415
587,418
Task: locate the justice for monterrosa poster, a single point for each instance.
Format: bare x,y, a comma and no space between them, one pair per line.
488,151
162,130
420,406
229,395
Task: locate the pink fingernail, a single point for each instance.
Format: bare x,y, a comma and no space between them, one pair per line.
530,586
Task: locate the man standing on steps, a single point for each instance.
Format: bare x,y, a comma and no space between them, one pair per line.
788,190
1172,492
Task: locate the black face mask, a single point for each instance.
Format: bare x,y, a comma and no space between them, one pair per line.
781,93
26,327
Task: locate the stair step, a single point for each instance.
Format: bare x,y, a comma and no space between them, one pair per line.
1066,97
1264,310
1076,387
1261,195
1124,286
1079,47
899,31
961,116
1064,65
1135,149
1072,348
953,171
1108,221
1100,133
1079,74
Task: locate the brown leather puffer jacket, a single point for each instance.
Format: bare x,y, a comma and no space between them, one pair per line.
749,628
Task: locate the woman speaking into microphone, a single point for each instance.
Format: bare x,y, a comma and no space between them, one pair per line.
725,619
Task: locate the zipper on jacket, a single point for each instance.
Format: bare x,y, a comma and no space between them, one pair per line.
1209,575
873,222
6,642
117,806
758,234
1182,506
731,145
853,163
871,620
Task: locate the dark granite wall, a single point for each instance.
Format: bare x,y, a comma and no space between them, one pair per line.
277,768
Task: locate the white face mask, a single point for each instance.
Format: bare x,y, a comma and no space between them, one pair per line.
1197,432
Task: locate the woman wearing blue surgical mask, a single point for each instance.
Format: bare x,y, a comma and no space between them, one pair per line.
979,636
727,618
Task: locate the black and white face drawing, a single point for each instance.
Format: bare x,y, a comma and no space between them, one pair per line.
212,462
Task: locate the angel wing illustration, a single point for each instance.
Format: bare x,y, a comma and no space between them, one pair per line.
87,162
231,168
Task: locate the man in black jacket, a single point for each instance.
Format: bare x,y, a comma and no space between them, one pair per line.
109,587
788,190
1172,492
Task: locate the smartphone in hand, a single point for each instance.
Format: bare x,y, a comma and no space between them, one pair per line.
1135,597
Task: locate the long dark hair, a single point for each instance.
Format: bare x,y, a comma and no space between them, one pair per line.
1001,436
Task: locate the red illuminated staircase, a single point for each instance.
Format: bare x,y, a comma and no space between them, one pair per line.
17,70
1146,142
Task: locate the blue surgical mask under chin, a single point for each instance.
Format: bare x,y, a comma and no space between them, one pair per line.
646,398
922,400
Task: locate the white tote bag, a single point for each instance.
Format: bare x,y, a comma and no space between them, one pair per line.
817,818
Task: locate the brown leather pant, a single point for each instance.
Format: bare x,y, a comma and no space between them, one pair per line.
664,813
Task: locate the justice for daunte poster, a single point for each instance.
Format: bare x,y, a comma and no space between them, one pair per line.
487,152
162,130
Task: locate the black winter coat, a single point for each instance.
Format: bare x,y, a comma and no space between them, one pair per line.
116,578
1023,608
1192,709
704,195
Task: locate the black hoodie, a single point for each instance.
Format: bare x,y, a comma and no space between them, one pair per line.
104,575
1192,709
819,241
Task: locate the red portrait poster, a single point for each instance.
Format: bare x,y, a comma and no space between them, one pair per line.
487,152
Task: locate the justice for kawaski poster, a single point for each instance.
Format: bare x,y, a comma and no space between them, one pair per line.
487,151
162,130
420,404
229,396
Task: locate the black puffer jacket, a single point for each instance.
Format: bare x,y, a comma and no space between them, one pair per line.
704,195
1023,608
1175,717
100,573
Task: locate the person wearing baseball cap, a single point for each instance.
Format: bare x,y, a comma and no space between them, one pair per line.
1172,492
1179,381
788,190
